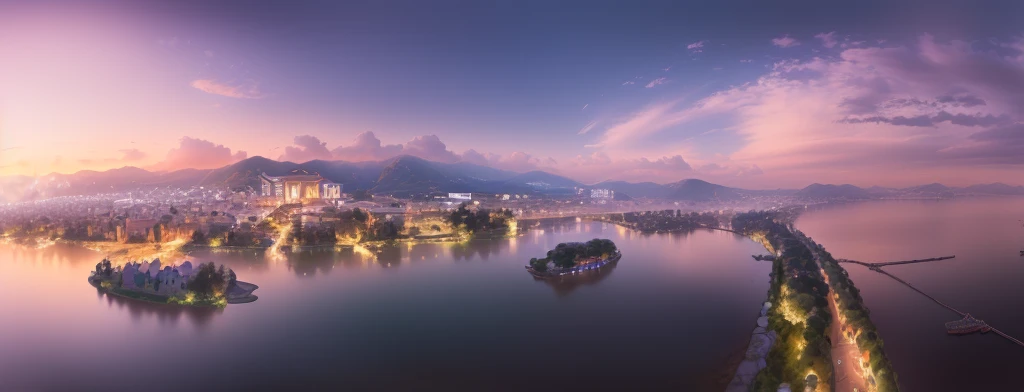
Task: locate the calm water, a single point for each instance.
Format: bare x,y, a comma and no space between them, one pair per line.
671,315
985,279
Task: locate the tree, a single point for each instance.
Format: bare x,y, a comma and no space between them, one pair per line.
539,265
198,237
208,281
174,211
361,194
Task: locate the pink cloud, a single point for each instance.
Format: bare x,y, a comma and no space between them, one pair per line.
199,154
828,40
696,47
872,115
656,82
587,128
366,147
247,90
785,42
306,148
598,166
430,147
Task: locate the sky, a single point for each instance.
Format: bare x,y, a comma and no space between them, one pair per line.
741,93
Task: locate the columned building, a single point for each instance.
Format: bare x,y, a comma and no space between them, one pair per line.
299,187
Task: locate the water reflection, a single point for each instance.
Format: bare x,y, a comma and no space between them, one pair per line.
238,260
565,284
483,249
165,315
459,308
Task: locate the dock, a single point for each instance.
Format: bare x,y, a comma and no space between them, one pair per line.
883,264
968,324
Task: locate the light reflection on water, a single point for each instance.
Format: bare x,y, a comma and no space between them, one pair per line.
458,316
984,279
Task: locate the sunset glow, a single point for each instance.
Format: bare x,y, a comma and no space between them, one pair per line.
167,86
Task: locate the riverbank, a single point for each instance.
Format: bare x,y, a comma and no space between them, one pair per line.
756,356
801,356
239,293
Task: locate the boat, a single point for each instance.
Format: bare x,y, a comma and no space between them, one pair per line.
967,325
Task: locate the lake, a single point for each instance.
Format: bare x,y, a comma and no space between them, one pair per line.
675,313
984,279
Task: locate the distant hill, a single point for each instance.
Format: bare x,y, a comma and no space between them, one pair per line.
830,191
540,180
407,175
997,188
930,188
699,190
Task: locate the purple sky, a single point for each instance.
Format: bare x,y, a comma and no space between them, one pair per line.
739,93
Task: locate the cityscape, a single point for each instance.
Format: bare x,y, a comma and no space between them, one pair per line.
450,195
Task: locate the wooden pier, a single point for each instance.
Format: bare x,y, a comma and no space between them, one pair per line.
877,268
883,264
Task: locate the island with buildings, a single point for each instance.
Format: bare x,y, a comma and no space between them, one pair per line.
572,258
204,285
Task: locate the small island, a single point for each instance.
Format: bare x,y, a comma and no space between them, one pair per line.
205,285
570,258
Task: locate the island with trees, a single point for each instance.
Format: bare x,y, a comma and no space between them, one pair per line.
205,285
571,258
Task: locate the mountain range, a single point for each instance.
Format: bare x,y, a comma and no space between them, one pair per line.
408,175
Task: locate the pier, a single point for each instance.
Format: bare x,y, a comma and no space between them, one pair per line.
883,264
967,318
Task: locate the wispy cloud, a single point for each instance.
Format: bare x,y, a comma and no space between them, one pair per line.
828,40
208,53
746,61
666,69
785,41
628,83
587,128
656,82
246,90
585,106
696,47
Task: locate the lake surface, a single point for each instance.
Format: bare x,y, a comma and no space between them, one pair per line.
985,279
671,315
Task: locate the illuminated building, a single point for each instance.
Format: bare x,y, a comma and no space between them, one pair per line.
601,194
298,187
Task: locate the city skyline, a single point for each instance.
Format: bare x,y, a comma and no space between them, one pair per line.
771,99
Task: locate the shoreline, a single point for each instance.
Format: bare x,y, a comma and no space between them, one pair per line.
241,296
143,297
551,275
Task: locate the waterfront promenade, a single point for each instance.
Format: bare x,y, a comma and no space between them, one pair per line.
848,373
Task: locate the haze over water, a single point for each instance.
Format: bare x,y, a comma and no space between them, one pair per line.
984,279
673,313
